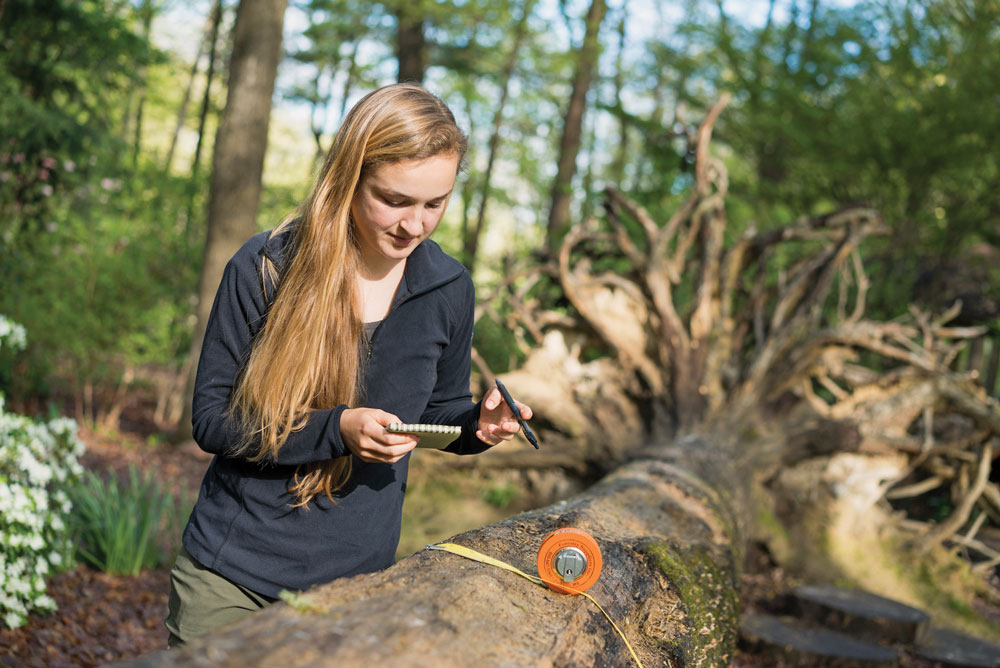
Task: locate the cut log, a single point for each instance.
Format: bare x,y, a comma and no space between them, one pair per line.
669,580
786,642
860,614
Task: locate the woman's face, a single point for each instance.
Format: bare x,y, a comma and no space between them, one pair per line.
398,205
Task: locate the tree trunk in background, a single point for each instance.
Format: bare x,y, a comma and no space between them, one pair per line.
238,159
470,243
206,99
616,170
183,107
573,127
411,48
146,12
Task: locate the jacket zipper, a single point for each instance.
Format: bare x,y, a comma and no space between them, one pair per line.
396,304
371,339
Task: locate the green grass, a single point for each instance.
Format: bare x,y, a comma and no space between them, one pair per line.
118,524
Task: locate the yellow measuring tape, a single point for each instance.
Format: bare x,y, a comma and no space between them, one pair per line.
469,553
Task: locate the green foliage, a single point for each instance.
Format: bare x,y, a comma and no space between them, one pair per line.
118,523
500,495
497,345
37,461
61,64
98,260
120,295
880,103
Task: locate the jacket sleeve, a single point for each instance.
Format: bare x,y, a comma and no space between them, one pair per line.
238,313
451,400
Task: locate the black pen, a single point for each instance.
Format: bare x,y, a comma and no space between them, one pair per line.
517,414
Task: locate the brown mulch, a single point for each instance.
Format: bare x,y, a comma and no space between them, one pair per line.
101,618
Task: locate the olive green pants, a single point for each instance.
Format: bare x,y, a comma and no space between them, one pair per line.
201,601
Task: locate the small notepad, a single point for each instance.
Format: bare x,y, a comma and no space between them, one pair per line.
436,436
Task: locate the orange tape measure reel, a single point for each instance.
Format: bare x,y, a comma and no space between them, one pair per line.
569,557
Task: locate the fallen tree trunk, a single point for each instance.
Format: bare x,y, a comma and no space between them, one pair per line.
670,547
719,389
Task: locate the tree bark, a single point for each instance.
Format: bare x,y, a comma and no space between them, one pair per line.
411,48
569,145
238,158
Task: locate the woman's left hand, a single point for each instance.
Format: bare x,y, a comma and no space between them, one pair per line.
496,420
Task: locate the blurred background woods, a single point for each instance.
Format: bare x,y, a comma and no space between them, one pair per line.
110,115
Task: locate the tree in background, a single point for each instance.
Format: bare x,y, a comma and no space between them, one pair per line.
569,146
238,159
472,231
59,65
411,44
336,30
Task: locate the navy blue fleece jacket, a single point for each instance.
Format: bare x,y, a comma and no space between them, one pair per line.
243,525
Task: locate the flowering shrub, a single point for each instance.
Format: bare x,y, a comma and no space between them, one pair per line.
12,332
37,462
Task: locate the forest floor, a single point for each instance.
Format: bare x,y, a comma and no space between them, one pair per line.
105,618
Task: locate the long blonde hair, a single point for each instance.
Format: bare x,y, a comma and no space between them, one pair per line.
307,356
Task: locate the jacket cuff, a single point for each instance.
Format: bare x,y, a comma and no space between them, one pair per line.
338,448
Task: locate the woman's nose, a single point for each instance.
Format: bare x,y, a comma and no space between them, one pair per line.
413,221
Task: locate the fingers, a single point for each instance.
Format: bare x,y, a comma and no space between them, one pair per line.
496,433
493,399
496,421
363,430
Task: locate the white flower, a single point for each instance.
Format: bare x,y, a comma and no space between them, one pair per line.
45,602
14,333
34,457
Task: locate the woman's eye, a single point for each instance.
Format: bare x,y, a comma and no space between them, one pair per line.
393,202
434,205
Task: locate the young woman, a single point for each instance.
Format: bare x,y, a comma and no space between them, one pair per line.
324,330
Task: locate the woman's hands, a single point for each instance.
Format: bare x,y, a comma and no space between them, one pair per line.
363,430
496,420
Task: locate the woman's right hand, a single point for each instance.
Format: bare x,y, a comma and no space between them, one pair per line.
363,430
